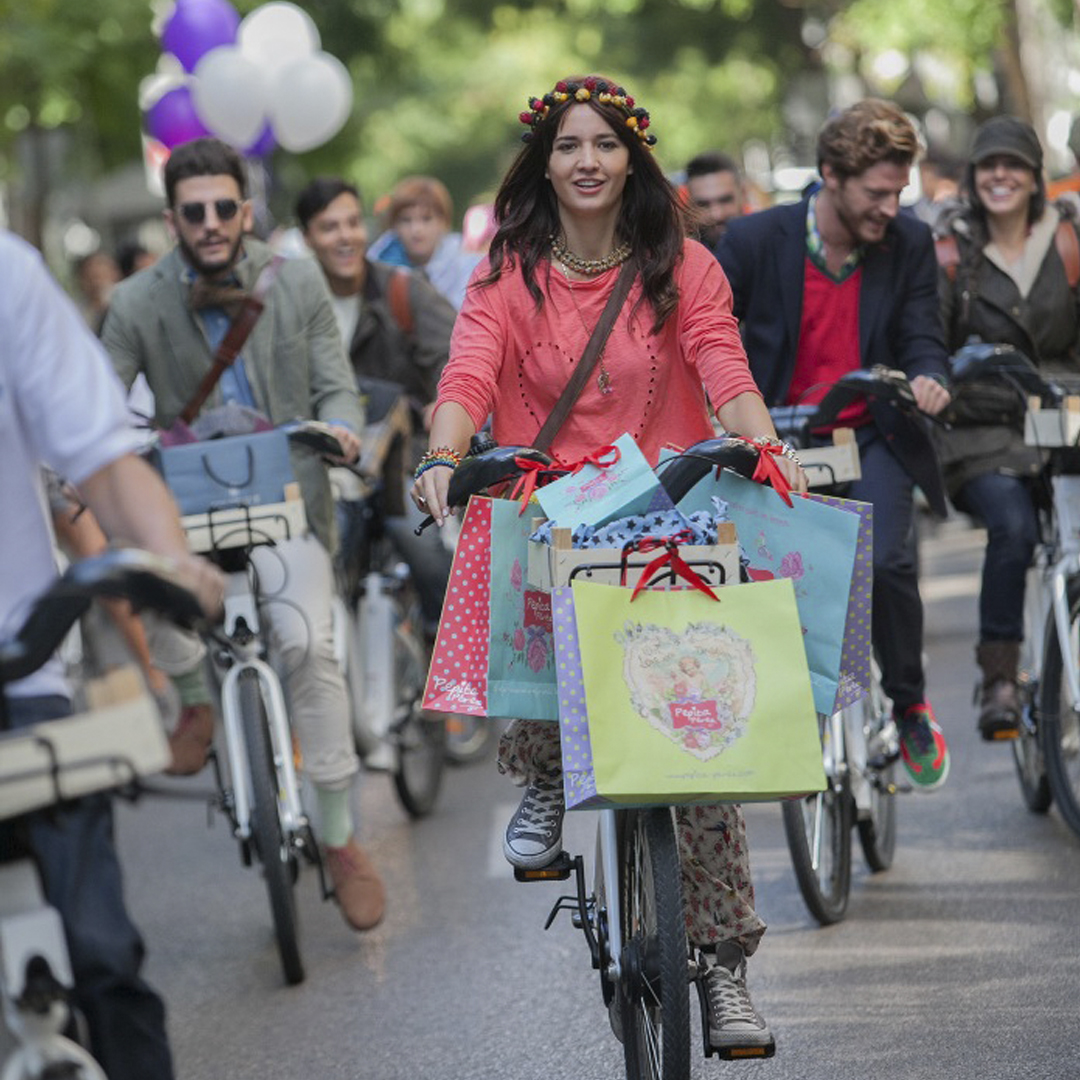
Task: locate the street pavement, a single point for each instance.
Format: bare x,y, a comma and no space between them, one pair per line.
962,961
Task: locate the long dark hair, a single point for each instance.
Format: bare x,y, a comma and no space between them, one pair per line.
651,218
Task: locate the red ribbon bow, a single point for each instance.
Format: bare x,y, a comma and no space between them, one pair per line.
533,475
669,558
603,458
767,471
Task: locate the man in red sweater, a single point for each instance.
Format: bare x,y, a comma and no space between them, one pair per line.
837,282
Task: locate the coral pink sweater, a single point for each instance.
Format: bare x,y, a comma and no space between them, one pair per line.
511,361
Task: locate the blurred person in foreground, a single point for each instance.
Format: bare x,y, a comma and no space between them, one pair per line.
61,406
836,282
1009,269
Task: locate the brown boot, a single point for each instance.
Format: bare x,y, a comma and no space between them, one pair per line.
999,702
191,739
357,885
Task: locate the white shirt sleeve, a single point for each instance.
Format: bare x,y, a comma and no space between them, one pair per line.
66,394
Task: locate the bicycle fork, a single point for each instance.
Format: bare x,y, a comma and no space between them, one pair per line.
1062,570
292,816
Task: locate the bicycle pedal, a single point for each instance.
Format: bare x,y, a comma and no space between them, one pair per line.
559,870
1002,735
746,1053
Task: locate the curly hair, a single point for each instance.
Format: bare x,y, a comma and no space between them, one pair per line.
651,218
865,134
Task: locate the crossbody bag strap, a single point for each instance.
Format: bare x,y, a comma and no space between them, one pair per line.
234,339
589,357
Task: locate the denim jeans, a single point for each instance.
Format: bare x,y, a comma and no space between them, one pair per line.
76,855
1003,504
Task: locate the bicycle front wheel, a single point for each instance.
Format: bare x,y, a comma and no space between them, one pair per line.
818,829
420,741
468,739
279,863
654,998
1058,721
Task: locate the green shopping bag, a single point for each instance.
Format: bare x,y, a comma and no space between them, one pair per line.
694,699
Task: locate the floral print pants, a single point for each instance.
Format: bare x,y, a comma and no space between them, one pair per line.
717,889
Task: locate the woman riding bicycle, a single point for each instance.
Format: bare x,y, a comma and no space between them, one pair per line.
584,196
1003,277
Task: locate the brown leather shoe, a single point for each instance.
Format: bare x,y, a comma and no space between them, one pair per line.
357,886
190,740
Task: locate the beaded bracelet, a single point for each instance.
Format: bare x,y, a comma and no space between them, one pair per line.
437,455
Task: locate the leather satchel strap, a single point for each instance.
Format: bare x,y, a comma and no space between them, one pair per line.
1068,249
589,357
233,341
397,296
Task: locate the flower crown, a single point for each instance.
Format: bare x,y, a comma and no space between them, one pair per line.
600,90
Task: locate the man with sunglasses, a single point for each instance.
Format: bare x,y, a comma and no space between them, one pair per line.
166,322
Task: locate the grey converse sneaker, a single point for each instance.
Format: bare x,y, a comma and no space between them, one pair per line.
734,1023
534,836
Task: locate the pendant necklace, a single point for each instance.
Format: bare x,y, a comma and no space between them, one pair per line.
603,379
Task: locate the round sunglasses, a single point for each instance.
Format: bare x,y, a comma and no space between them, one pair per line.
194,213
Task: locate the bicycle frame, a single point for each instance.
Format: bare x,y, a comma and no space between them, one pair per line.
1057,584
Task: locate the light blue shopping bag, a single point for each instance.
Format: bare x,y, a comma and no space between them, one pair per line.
622,484
811,543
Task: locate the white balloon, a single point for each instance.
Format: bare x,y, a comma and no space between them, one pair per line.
310,101
230,95
276,35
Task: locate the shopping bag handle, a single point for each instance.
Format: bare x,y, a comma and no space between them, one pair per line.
669,558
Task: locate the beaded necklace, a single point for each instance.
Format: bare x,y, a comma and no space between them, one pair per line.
588,267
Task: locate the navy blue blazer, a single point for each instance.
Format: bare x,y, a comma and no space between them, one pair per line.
764,257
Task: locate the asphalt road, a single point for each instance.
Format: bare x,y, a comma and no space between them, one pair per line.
962,961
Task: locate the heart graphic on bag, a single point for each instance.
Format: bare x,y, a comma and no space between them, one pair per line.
696,687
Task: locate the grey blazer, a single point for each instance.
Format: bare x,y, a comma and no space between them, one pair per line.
294,359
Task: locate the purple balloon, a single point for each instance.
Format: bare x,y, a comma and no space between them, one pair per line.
265,144
172,119
196,27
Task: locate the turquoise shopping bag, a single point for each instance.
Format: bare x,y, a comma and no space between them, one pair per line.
810,543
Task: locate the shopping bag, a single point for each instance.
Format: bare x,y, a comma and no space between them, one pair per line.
494,653
240,470
854,682
683,698
620,483
811,544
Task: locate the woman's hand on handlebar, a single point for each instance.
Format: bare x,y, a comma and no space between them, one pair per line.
930,396
430,492
793,474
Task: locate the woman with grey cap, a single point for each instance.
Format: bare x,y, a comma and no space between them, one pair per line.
1009,262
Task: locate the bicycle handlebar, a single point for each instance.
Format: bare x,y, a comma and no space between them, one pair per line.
878,383
980,359
146,580
680,473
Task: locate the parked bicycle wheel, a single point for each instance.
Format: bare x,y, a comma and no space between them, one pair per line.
818,829
1058,720
279,862
654,997
420,737
468,739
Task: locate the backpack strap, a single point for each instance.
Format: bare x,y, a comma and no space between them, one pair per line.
397,296
1068,249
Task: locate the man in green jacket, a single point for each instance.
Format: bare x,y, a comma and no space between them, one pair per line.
166,323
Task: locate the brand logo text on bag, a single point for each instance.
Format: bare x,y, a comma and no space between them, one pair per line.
697,687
